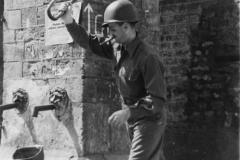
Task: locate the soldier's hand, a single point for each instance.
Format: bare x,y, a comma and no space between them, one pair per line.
117,119
67,17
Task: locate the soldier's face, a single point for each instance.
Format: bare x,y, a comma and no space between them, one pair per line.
118,32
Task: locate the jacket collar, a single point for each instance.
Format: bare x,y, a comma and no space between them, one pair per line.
133,45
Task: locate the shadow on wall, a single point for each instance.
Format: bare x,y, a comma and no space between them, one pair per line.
213,75
212,87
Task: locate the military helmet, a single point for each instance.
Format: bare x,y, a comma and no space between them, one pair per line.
120,11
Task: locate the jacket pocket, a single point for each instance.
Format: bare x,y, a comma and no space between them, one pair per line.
134,74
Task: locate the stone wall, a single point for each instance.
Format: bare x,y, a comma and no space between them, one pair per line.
1,52
199,46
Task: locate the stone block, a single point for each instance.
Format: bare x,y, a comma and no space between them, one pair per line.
13,19
13,52
62,51
32,69
8,36
89,90
194,7
151,6
29,17
8,4
165,46
78,51
98,136
166,30
182,8
182,1
170,61
68,67
74,86
33,33
165,20
106,91
166,2
47,68
30,51
101,69
220,145
41,15
152,21
139,4
181,18
194,18
12,70
17,4
182,28
168,10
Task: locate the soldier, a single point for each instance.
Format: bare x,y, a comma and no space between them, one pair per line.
139,75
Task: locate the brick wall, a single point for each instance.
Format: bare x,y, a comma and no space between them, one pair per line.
199,46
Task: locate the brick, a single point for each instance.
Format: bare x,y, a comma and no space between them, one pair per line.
168,10
182,8
167,53
182,1
182,28
176,70
41,15
146,35
194,7
180,45
182,18
12,70
165,46
152,6
166,2
8,36
152,21
32,69
164,20
170,61
29,17
194,18
13,19
13,52
183,53
97,69
170,29
139,4
155,37
173,38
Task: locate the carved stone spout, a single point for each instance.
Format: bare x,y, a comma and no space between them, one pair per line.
20,102
59,102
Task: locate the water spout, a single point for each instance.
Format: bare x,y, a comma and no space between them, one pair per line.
42,108
8,106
